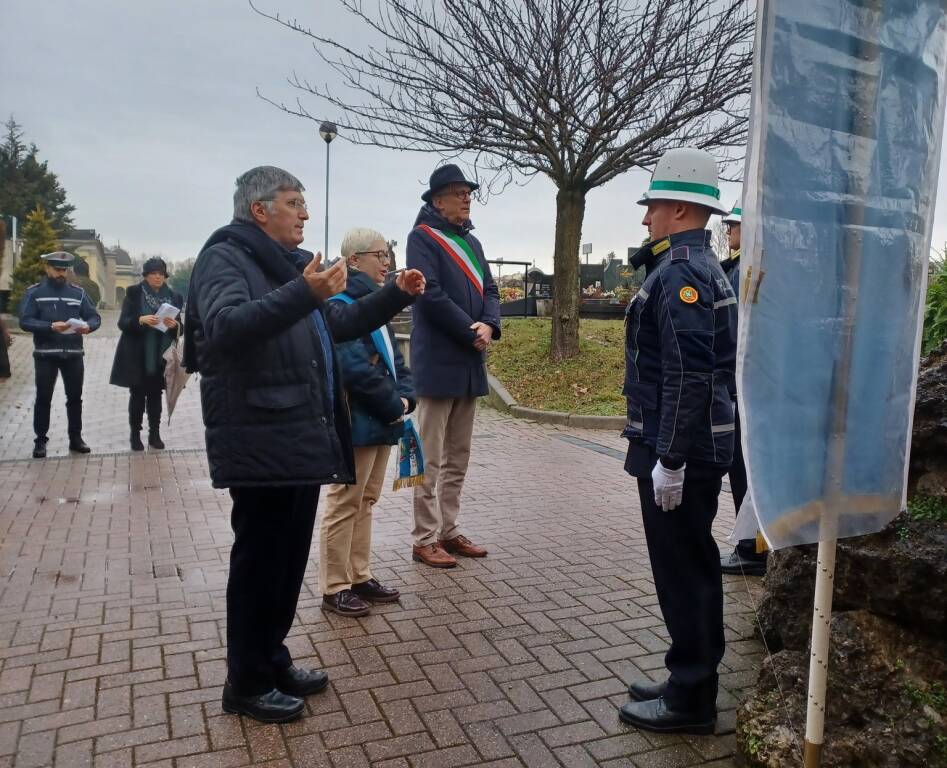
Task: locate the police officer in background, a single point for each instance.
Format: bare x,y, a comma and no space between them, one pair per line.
58,314
680,353
744,559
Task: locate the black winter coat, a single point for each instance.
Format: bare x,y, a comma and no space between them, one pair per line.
444,361
250,333
128,368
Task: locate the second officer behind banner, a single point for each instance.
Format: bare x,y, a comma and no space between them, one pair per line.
680,352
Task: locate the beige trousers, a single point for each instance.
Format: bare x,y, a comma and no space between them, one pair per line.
446,428
345,535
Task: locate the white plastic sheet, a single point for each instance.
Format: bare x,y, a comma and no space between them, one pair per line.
846,128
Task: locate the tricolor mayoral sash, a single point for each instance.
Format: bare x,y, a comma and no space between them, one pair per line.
460,253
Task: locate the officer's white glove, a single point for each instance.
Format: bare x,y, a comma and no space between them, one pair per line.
668,486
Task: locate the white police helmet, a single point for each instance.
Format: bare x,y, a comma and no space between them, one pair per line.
735,216
688,175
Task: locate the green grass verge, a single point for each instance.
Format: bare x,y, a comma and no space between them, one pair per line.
589,384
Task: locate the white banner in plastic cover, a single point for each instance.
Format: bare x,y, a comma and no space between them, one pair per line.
846,126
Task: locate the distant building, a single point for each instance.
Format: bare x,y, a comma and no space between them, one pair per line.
110,268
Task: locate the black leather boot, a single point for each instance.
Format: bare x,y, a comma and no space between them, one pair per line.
77,444
154,438
135,440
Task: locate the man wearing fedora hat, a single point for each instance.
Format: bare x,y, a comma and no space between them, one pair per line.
58,314
455,319
680,352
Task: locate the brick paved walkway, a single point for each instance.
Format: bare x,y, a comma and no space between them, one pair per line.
112,575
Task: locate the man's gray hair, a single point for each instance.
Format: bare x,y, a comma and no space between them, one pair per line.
261,184
358,240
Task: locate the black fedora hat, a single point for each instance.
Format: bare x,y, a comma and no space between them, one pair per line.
446,174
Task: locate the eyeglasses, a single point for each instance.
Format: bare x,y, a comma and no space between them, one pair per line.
460,194
380,255
295,203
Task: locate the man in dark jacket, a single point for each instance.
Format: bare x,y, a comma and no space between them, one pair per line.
680,352
261,335
454,322
744,559
58,314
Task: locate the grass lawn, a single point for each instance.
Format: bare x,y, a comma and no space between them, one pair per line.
588,384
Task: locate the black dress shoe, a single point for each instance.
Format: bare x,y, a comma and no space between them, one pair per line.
270,707
654,715
300,682
77,445
135,441
154,439
645,691
737,564
345,603
374,592
39,449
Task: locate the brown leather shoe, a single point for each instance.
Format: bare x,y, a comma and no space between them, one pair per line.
461,545
432,555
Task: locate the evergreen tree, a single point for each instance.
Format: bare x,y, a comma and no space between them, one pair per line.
180,278
25,182
38,238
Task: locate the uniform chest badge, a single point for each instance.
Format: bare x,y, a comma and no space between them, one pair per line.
688,294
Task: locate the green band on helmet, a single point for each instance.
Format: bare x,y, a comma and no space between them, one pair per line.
685,186
737,211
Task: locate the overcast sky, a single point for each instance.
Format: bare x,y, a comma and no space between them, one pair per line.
148,111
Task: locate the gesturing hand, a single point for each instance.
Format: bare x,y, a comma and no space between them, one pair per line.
411,281
484,336
325,285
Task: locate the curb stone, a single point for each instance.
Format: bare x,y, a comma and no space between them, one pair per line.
500,399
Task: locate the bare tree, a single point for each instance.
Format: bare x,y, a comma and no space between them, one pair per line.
578,90
720,240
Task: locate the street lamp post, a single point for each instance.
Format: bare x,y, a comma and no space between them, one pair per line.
327,131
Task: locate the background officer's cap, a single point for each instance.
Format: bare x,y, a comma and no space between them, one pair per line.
59,259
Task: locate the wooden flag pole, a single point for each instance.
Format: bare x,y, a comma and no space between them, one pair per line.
819,657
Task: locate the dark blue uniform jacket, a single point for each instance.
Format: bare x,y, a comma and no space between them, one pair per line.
443,359
48,302
680,356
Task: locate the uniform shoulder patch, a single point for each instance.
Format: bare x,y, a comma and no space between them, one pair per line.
681,253
661,246
688,294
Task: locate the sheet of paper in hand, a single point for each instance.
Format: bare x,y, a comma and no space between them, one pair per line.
74,325
165,312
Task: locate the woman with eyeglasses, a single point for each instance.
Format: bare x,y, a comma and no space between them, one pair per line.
380,393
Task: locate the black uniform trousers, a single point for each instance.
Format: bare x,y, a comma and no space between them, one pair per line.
48,367
272,534
148,394
685,563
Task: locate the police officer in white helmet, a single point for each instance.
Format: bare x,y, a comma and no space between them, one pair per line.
680,352
744,559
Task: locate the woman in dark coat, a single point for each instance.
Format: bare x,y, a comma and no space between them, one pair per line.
139,364
380,393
